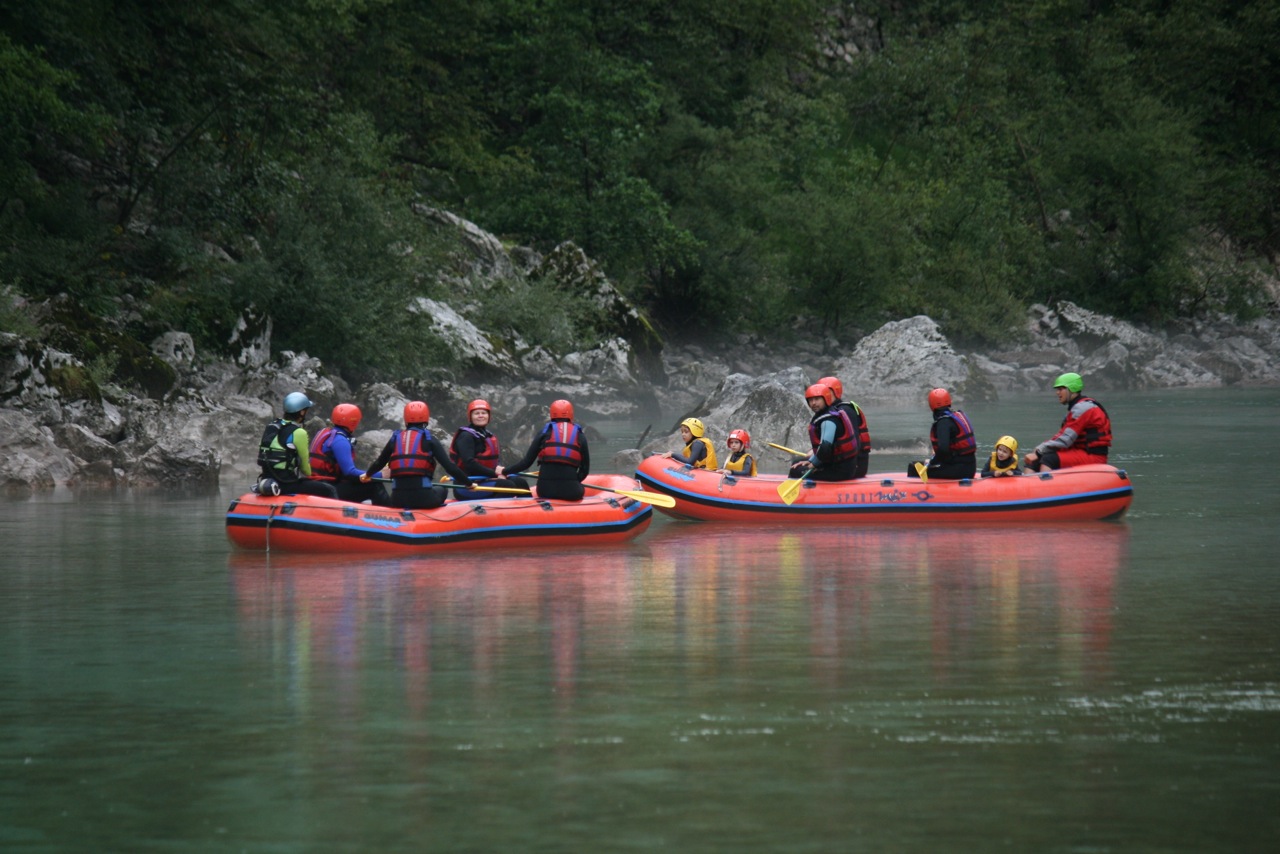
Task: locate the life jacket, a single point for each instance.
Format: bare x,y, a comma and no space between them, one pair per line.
561,443
963,443
859,421
707,462
846,442
276,452
997,467
741,463
411,456
1096,439
324,464
489,454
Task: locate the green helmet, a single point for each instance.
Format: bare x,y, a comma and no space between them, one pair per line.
1071,382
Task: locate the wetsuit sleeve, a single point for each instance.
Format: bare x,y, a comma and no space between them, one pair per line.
302,442
530,455
442,458
585,468
826,441
385,456
945,432
342,454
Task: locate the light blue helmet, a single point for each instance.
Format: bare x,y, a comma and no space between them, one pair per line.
295,402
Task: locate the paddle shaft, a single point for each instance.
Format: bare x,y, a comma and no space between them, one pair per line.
657,499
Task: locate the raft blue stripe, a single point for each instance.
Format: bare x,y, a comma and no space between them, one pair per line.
862,508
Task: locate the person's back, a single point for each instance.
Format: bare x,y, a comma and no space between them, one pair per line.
955,446
284,469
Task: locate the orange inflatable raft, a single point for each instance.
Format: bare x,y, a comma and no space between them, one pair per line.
303,523
1084,492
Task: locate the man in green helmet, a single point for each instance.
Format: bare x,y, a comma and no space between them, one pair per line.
1085,436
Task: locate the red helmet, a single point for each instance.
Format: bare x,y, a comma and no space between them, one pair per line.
347,415
561,409
478,404
821,390
742,436
836,386
939,398
416,412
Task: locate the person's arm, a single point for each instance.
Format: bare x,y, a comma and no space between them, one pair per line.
584,468
342,454
383,458
301,443
529,455
946,431
826,441
442,457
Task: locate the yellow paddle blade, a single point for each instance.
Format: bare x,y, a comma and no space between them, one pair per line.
657,499
923,471
789,490
787,450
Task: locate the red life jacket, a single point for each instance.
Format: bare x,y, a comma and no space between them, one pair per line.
963,443
845,446
323,463
859,421
412,456
1096,438
561,443
489,454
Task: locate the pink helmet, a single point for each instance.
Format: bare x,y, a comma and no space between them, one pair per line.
347,415
416,412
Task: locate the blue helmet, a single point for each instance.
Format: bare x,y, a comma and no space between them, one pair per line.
296,401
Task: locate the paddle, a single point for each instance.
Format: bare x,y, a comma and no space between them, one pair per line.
478,488
657,499
789,490
788,450
922,471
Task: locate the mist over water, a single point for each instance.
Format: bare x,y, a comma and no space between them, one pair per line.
1101,687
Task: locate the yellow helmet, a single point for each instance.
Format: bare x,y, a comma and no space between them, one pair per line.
695,426
1009,442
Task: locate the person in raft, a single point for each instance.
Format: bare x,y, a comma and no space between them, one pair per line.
476,451
698,450
955,448
1004,459
411,456
740,461
1085,435
283,469
833,437
560,449
859,419
333,458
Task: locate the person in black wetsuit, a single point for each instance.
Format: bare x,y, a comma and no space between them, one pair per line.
955,448
412,455
476,449
560,449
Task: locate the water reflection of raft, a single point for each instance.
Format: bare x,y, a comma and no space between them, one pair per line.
1085,492
302,523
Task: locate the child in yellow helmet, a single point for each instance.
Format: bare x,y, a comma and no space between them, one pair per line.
1004,459
699,452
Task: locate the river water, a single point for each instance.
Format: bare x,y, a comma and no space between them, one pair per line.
1107,687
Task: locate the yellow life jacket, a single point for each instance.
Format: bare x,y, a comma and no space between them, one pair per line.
743,464
707,462
996,467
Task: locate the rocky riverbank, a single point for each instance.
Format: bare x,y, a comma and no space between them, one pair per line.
203,432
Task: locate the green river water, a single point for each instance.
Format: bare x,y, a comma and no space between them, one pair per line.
1106,687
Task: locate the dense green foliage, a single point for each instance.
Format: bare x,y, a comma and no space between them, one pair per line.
169,164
